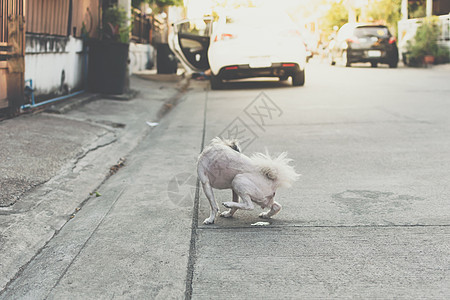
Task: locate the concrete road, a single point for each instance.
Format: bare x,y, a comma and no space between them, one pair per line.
369,218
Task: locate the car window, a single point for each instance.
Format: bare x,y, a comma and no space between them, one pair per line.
198,27
345,32
376,31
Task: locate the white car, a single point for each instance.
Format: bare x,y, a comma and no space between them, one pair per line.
244,43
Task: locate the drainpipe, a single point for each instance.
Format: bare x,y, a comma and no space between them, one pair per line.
32,105
429,8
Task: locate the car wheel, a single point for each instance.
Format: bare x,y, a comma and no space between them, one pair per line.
393,64
373,64
405,58
298,79
344,58
284,78
330,60
216,82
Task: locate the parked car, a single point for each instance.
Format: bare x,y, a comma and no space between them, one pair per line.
244,43
356,42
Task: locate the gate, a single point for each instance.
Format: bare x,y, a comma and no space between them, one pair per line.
12,51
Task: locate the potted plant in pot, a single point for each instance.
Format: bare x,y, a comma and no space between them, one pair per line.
424,48
108,56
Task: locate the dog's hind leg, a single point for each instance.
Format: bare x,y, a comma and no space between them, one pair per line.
246,204
212,202
230,213
276,207
242,188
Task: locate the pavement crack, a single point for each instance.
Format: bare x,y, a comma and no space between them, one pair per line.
194,227
84,244
92,149
288,226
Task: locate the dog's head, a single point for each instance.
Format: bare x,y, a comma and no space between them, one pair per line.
233,144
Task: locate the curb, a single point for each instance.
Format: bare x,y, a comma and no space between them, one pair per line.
171,102
131,94
71,103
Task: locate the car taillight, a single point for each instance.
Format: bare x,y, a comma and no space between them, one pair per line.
224,37
353,39
392,40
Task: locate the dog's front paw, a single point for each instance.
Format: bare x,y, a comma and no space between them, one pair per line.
227,204
208,221
264,215
226,214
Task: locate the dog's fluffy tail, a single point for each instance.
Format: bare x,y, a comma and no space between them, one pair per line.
233,144
276,169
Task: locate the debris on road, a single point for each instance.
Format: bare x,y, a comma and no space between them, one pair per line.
261,224
96,193
113,170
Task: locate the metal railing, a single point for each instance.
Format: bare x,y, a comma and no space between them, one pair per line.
142,27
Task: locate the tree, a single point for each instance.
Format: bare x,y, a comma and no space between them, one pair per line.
337,15
158,3
416,9
234,3
385,11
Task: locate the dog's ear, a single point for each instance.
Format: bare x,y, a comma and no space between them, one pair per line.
234,144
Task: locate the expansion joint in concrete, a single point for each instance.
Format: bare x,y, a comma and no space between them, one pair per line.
194,226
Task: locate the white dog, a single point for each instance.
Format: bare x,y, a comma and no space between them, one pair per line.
221,165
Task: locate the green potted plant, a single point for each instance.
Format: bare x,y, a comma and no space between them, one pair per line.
424,48
108,55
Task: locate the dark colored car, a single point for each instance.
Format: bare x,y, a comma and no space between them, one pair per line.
364,43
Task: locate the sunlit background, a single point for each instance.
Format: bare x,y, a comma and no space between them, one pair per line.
319,20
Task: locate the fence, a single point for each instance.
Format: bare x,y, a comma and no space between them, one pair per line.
12,40
62,17
8,8
48,17
444,22
142,27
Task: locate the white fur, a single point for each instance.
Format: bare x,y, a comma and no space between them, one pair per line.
277,169
253,180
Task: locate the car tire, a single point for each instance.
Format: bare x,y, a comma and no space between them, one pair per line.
284,78
393,65
216,82
374,64
330,60
298,79
344,58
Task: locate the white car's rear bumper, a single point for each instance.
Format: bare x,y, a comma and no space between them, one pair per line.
255,58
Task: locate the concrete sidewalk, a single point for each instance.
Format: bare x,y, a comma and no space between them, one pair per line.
368,219
51,165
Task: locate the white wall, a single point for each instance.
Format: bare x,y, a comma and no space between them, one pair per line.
47,57
142,57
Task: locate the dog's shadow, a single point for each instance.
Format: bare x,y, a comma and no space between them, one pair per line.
242,219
